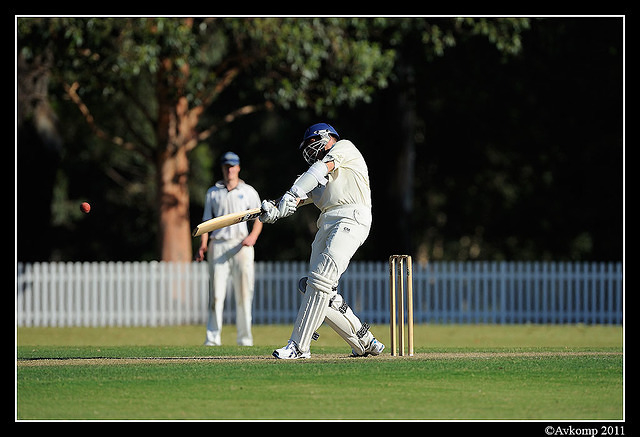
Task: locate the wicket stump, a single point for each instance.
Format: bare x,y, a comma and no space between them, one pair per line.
396,268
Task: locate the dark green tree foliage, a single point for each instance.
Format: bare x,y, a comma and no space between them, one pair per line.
142,84
486,138
516,157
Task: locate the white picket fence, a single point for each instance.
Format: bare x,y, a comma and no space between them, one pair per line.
158,293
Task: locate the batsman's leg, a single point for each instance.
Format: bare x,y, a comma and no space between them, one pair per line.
320,290
312,311
341,318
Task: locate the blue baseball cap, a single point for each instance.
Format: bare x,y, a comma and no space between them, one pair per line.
230,158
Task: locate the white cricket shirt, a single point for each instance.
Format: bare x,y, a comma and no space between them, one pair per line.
348,182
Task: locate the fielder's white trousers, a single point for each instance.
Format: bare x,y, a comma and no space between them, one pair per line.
229,260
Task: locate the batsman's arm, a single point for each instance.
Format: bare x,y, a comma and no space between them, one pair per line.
272,211
231,219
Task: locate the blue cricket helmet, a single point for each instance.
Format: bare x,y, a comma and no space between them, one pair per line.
314,140
317,130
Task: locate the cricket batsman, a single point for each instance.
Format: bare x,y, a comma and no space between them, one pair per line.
337,182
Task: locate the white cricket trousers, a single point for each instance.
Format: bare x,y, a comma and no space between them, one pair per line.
230,260
341,231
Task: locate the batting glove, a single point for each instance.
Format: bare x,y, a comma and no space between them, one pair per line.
269,212
288,204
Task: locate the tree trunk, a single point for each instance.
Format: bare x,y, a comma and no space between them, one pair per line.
175,136
173,199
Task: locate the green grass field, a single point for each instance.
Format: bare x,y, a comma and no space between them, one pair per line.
460,372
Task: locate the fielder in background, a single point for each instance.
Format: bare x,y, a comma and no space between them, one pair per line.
230,251
337,182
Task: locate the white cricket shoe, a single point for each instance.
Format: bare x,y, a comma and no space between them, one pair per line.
374,348
290,352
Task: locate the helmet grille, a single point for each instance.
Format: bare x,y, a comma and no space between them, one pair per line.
313,147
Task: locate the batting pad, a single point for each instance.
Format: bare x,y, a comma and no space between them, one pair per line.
310,316
342,320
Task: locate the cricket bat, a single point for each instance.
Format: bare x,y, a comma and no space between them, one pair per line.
226,220
231,219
